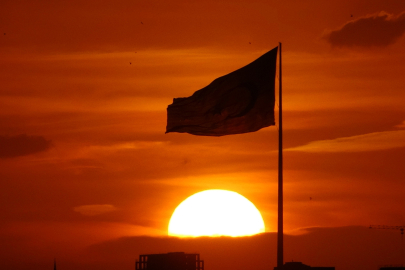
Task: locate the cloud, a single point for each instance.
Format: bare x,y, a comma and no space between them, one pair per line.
315,247
402,125
94,209
22,145
359,143
378,30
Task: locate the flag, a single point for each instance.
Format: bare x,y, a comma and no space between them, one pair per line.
239,102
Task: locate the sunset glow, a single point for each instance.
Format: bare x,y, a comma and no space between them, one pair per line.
89,178
216,213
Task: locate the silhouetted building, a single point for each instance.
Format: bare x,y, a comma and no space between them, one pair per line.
392,268
170,261
301,266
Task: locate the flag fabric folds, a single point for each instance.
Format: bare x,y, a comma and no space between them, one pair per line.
239,102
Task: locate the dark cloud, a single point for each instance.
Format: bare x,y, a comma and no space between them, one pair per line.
342,247
378,30
22,145
217,253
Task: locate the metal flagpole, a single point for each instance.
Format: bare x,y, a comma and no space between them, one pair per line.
280,248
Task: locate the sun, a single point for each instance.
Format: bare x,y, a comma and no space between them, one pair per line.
216,212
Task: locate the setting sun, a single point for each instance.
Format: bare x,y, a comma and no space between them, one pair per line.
216,213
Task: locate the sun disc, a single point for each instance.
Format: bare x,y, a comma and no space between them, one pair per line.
216,212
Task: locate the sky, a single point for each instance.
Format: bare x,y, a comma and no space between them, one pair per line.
89,177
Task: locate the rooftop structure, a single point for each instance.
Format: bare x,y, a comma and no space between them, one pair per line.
170,261
301,266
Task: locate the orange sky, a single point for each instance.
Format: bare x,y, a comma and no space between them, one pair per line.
84,158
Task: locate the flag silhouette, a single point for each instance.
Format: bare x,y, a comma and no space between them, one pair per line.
239,102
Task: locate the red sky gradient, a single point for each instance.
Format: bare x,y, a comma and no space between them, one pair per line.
88,176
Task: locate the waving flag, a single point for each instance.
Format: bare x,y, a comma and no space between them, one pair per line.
239,102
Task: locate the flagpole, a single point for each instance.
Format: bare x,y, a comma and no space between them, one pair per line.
280,248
